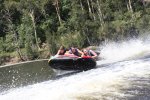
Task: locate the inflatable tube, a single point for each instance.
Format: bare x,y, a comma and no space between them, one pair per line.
72,63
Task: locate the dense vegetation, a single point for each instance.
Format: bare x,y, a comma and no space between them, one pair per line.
29,27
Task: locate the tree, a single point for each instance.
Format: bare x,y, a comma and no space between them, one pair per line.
56,4
10,15
31,8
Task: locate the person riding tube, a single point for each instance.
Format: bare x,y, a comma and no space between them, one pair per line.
61,51
90,53
76,52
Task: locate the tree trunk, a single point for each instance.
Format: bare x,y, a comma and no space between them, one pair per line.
130,6
15,37
130,9
56,3
17,45
100,14
145,2
81,5
88,40
34,27
92,10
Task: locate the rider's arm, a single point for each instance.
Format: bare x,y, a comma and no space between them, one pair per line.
58,52
82,54
95,55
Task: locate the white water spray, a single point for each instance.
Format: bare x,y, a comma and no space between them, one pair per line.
132,49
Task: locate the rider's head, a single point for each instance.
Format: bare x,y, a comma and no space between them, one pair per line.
85,51
73,49
62,49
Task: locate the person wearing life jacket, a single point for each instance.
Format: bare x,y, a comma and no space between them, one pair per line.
90,53
76,52
61,51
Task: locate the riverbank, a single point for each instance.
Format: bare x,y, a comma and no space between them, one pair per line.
13,57
15,60
7,60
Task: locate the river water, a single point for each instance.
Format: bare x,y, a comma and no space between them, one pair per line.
122,74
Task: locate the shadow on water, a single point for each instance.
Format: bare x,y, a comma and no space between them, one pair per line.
23,74
56,76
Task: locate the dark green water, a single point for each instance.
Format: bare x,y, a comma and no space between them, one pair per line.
23,74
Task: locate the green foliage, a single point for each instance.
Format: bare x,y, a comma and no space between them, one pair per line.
28,24
7,45
72,39
31,51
